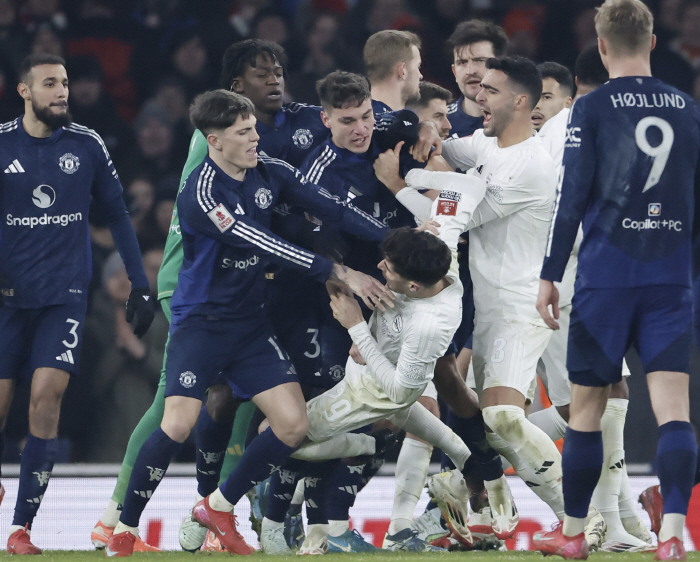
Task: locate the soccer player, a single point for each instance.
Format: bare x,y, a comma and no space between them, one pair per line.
431,105
392,60
225,209
508,336
613,497
471,44
557,92
52,170
629,174
256,69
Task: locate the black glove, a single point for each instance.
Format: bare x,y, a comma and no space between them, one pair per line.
140,303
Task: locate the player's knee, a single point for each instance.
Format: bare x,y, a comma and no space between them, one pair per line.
293,428
177,430
505,420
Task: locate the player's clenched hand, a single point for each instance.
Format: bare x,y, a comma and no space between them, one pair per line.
428,140
346,310
355,354
140,304
386,168
549,295
371,291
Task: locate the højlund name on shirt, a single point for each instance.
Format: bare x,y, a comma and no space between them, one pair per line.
629,99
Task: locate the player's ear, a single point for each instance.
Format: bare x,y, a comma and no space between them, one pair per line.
236,86
653,42
569,101
326,119
401,70
213,141
23,90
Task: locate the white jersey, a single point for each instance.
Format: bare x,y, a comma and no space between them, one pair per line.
553,136
508,233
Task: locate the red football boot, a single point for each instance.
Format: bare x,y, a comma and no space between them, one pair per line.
120,545
554,542
20,543
223,524
672,549
653,504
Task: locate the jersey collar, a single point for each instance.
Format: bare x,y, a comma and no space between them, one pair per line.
26,137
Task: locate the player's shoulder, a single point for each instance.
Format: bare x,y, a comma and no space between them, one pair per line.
298,107
88,137
453,107
269,168
8,128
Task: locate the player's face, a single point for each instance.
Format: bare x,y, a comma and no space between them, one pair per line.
469,67
552,101
437,113
263,85
497,101
413,75
393,280
351,127
48,93
238,143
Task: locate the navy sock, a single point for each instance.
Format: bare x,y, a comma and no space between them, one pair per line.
264,454
149,468
35,470
316,486
676,461
346,483
582,462
472,432
283,483
212,440
697,472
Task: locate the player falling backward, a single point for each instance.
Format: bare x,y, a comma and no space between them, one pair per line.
398,350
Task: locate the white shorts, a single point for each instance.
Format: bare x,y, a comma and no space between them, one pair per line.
506,353
355,401
430,391
551,367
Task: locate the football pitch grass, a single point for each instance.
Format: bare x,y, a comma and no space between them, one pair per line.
513,556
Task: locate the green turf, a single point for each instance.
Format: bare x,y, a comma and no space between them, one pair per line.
176,556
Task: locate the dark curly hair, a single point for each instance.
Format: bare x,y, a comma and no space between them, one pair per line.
416,255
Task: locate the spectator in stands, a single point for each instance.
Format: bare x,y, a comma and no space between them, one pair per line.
687,44
47,40
14,39
191,63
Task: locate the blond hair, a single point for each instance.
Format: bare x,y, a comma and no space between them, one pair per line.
626,25
385,49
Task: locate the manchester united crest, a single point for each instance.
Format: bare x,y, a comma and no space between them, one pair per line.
263,198
69,163
302,138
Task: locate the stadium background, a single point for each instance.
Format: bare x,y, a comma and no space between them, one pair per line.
135,65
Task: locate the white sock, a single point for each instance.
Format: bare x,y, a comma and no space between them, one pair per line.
424,425
298,497
316,529
337,447
539,460
14,528
410,474
270,524
218,502
550,421
627,501
121,528
337,528
671,526
110,517
606,494
550,494
573,526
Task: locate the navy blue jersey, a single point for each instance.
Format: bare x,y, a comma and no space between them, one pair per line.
45,194
463,125
379,108
298,130
227,241
351,177
629,173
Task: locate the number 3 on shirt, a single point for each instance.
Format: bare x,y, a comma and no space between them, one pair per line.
658,153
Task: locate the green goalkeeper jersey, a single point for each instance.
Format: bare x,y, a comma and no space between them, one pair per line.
172,255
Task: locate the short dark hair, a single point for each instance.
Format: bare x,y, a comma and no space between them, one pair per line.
340,89
385,49
417,255
559,73
428,92
37,59
244,54
589,68
219,109
522,72
473,31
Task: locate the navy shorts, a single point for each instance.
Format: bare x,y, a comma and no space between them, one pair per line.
206,350
656,320
31,338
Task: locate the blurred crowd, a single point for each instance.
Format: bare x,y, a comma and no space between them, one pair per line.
134,67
